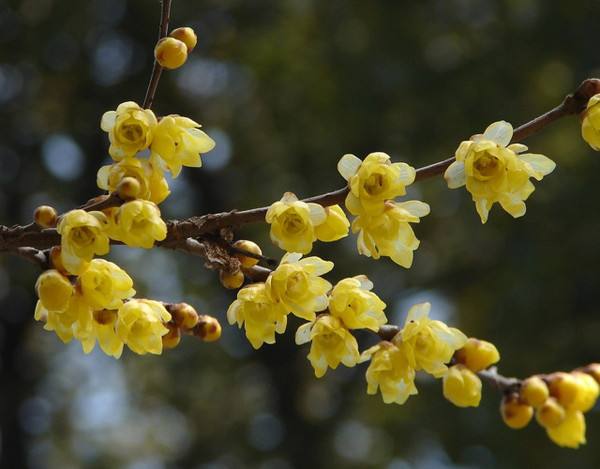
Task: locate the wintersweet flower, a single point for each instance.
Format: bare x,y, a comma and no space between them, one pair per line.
64,323
101,327
389,233
373,181
105,285
130,129
293,223
429,344
260,316
590,126
178,141
570,433
140,325
462,387
390,372
335,226
139,224
352,301
54,290
153,185
82,236
297,286
331,345
495,171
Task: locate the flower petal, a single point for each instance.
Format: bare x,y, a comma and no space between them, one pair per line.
500,132
455,175
348,166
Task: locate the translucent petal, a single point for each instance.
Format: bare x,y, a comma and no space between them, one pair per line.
348,166
415,207
303,333
455,175
542,165
500,132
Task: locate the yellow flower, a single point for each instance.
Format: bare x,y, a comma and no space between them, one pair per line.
590,126
293,223
64,323
495,171
390,372
571,432
334,227
82,236
100,327
130,129
462,387
352,301
296,285
139,224
373,181
477,354
260,316
429,344
178,141
389,233
105,285
331,345
54,290
140,325
153,185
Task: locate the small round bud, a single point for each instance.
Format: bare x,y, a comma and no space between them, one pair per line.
534,391
232,281
208,329
184,315
593,369
45,216
56,260
187,36
248,246
550,414
477,355
172,338
129,188
514,413
564,387
170,53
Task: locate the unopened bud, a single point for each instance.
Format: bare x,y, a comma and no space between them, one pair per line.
187,36
184,315
56,260
248,246
477,354
534,391
45,216
564,387
515,413
550,414
208,329
170,53
232,281
172,338
128,188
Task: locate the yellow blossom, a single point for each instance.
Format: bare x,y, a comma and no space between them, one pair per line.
335,226
390,372
64,323
590,126
105,285
352,301
373,181
82,236
178,141
139,224
462,387
389,233
429,344
101,327
54,290
140,325
495,171
260,316
293,223
153,185
130,129
296,285
570,433
331,345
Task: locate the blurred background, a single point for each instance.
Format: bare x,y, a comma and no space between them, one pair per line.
286,88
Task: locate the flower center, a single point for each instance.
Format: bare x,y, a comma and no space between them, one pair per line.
486,167
132,132
293,224
375,184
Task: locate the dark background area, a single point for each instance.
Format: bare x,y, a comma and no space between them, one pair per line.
286,88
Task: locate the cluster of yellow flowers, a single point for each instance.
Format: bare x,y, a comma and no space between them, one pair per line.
559,399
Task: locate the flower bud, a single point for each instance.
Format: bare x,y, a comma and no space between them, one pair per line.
564,387
45,216
232,281
187,36
56,259
534,391
170,53
248,246
462,387
54,290
208,329
593,369
129,188
477,355
590,126
587,394
550,414
184,315
515,413
172,338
